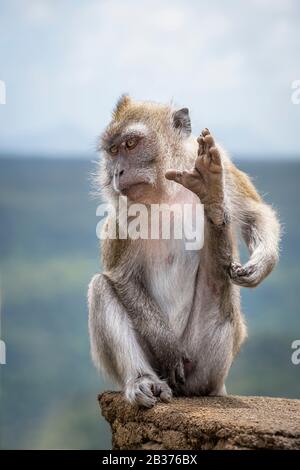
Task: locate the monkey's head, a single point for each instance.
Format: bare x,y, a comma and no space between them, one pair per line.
141,142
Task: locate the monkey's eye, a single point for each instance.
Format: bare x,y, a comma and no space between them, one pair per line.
131,143
113,150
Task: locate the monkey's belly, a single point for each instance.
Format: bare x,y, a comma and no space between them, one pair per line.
171,279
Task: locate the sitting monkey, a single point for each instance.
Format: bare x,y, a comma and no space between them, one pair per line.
162,319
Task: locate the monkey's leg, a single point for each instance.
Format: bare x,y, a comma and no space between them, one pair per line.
128,284
149,322
116,349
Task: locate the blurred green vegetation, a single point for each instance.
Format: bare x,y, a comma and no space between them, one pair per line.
48,253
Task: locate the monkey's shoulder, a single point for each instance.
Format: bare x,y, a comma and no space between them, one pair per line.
242,184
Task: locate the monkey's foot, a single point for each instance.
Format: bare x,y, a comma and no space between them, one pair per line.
245,276
145,390
206,178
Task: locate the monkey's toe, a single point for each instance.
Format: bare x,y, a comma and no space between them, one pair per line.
146,390
144,400
162,391
139,392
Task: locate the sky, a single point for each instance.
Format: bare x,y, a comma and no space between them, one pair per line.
65,62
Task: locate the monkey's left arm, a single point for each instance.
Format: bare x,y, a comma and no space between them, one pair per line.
259,227
229,197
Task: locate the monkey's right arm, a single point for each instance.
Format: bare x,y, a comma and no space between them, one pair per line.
259,227
126,279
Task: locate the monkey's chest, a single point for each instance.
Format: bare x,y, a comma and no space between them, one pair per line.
171,274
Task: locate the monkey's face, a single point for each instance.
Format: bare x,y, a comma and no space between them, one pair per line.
130,159
138,146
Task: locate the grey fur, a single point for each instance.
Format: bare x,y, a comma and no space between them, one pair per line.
146,333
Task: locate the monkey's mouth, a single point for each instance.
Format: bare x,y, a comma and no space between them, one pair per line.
124,185
139,186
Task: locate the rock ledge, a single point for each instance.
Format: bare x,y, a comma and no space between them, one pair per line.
232,422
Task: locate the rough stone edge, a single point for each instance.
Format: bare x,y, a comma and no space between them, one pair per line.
143,433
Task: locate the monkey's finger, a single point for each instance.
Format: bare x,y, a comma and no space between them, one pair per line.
208,143
174,175
198,168
172,378
215,155
179,373
209,140
200,141
205,132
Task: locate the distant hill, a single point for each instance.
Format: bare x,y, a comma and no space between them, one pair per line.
48,253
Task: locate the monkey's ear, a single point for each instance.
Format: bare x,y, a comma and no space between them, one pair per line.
182,122
122,103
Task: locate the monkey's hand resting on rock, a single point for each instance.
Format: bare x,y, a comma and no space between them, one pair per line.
206,178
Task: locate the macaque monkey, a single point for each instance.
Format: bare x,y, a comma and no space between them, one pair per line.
164,320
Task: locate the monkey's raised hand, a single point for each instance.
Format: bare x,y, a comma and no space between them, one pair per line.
206,178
